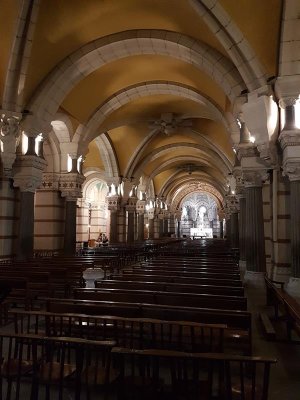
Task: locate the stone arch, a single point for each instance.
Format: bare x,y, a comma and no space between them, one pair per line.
147,89
47,99
233,41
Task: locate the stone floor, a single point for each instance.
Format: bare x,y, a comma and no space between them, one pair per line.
285,375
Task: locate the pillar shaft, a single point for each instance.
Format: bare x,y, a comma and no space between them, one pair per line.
130,227
151,228
295,227
254,237
141,221
166,227
113,226
234,230
228,229
26,226
221,229
70,228
160,228
242,229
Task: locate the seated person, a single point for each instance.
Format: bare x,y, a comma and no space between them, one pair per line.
104,240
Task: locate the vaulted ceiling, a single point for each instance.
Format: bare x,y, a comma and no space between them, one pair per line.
158,78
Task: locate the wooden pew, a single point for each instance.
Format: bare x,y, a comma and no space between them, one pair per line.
180,272
38,367
238,336
164,298
193,375
281,300
175,279
170,287
139,333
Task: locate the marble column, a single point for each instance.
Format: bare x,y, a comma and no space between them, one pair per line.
130,226
221,229
70,227
151,228
295,227
234,230
254,235
141,226
242,229
26,226
166,226
161,228
113,237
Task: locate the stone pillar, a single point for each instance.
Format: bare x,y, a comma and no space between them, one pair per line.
151,228
228,228
221,229
113,205
70,227
156,227
290,143
166,227
141,226
234,229
28,175
141,208
113,226
26,225
71,188
295,227
131,208
242,228
130,226
172,224
255,249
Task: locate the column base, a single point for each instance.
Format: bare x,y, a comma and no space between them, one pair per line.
254,279
242,265
293,287
281,274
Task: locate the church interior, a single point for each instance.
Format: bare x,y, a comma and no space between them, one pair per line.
149,199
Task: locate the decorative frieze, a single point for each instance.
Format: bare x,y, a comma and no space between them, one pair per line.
28,172
9,138
70,185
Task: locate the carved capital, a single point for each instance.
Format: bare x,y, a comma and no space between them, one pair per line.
140,206
113,203
131,204
268,153
291,169
28,172
289,138
9,138
50,181
254,178
288,101
70,185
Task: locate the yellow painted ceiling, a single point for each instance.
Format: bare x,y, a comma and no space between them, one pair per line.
259,21
64,26
93,157
9,10
118,75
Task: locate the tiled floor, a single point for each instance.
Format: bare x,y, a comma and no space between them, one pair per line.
285,375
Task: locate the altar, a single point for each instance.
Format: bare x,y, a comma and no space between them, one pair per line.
201,232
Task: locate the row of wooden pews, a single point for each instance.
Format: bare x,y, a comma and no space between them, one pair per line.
172,325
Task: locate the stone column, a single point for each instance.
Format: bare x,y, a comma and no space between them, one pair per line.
254,235
70,226
228,228
242,228
234,229
166,227
141,208
28,175
290,143
151,228
113,205
221,229
71,189
141,226
131,209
